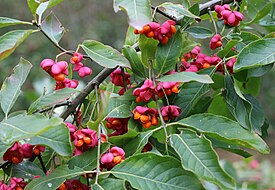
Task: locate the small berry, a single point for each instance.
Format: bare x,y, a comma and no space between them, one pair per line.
216,42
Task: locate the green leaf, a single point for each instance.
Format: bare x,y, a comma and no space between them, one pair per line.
118,108
97,187
194,9
259,71
218,107
187,43
270,35
137,67
104,55
261,13
161,147
53,3
150,171
138,11
236,103
253,6
11,40
246,38
11,87
186,3
21,127
58,138
53,28
87,160
148,47
26,170
186,77
55,178
136,145
167,55
33,5
122,140
227,49
229,147
4,21
51,99
218,79
191,92
116,184
122,111
131,38
202,105
257,53
42,8
250,86
176,10
3,148
257,118
198,156
199,32
223,129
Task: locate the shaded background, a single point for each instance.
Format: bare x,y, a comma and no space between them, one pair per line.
85,20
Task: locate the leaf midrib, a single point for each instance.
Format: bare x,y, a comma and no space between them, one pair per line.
152,180
106,58
190,150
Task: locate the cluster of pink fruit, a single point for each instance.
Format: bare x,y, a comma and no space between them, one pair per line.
58,70
229,17
17,152
147,116
15,184
194,61
85,139
159,32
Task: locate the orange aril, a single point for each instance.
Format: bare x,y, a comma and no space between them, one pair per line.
60,77
137,115
80,143
144,118
154,121
147,125
87,140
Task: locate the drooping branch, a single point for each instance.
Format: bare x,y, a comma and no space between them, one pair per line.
55,44
68,103
163,13
204,8
86,91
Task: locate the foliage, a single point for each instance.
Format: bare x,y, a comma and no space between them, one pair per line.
156,123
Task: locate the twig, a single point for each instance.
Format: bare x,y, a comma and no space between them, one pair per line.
86,91
124,78
55,44
204,8
98,154
88,182
164,14
42,163
99,140
213,20
68,103
6,164
76,115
